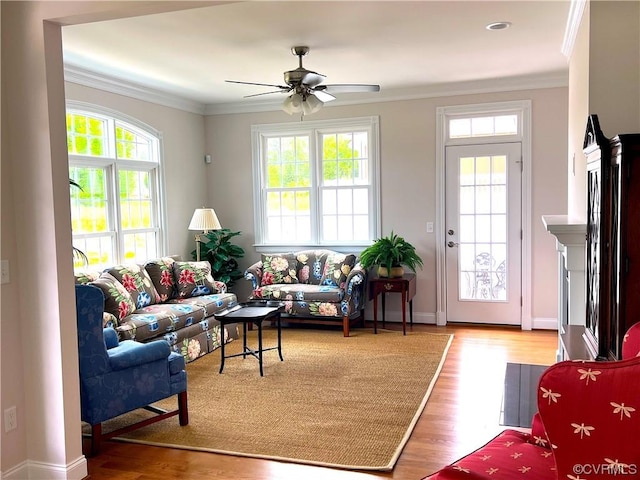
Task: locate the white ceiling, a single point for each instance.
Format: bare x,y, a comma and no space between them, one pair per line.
409,48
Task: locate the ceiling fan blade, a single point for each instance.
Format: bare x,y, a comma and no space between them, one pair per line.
350,88
283,87
266,93
312,79
323,96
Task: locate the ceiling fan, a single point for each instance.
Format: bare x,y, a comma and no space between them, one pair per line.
307,93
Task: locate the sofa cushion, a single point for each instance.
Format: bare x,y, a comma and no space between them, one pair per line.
211,304
509,455
337,267
157,320
279,268
301,292
117,300
109,320
311,265
138,283
193,279
161,273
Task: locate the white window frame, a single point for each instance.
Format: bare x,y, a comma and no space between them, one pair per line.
111,164
443,114
314,129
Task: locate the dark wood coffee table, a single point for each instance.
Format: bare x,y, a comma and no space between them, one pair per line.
255,312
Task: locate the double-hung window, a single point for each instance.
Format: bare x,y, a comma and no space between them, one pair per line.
116,212
316,183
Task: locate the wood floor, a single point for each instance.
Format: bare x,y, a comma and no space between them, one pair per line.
462,413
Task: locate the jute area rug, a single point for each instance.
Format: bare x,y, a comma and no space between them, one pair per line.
334,401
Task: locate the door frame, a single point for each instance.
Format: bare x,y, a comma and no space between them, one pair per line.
523,109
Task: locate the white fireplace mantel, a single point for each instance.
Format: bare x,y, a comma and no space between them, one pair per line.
571,242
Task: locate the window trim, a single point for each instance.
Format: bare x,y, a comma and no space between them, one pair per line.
313,129
110,162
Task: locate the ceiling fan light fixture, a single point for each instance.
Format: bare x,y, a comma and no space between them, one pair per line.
298,103
311,104
292,104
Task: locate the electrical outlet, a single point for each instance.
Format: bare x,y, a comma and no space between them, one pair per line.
4,271
10,419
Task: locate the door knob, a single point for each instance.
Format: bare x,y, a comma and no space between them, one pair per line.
450,232
452,244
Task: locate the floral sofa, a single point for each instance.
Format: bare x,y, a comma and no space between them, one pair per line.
316,286
165,299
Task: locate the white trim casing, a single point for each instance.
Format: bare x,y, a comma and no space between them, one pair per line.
523,108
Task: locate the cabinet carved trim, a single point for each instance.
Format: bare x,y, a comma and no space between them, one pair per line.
613,239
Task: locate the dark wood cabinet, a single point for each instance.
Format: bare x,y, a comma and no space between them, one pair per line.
625,241
613,239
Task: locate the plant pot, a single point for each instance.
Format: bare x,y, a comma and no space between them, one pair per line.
395,272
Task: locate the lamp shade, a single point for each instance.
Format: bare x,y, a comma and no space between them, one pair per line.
204,219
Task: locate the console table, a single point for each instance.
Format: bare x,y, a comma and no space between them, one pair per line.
406,285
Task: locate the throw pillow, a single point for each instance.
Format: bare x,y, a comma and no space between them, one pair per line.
279,268
311,266
117,300
82,278
193,279
161,273
137,282
337,268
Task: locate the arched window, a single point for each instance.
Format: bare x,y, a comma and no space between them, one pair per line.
116,212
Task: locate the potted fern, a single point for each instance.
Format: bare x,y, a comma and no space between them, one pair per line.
390,253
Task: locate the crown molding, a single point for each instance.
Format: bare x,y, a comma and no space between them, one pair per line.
576,10
507,84
88,78
107,83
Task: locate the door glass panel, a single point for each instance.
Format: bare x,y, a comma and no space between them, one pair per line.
482,223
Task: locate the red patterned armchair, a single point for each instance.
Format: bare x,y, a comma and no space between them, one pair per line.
586,428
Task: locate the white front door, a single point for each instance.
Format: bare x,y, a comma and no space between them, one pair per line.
483,233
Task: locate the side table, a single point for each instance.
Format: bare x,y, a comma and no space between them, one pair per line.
406,285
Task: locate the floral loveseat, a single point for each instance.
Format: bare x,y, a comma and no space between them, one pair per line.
316,286
165,299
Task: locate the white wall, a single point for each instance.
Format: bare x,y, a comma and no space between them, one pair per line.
408,150
604,79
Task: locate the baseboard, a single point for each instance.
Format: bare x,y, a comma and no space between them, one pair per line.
541,323
537,323
396,316
17,472
76,470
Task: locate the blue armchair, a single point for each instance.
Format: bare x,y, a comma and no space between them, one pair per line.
118,377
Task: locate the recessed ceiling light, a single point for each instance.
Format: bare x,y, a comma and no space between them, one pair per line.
498,26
